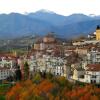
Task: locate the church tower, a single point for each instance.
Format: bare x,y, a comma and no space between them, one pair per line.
98,33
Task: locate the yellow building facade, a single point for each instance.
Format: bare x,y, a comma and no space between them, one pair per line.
98,33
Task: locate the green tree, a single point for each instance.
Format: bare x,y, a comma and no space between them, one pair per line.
49,76
18,74
26,71
37,78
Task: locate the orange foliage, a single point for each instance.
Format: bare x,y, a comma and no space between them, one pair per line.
94,98
50,96
24,89
44,87
15,92
27,90
84,93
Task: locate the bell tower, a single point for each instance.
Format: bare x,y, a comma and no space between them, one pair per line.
98,33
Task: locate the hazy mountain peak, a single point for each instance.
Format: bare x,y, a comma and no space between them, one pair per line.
92,15
45,11
78,15
44,21
14,13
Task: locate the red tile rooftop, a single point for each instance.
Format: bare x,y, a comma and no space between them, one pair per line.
6,55
93,67
4,68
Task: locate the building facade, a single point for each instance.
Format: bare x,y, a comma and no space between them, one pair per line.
92,74
4,73
98,33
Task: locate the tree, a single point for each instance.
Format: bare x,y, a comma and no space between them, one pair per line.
49,75
26,71
18,75
37,78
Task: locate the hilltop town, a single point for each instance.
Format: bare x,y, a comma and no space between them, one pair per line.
76,60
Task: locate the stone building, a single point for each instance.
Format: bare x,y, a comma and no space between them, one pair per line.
47,42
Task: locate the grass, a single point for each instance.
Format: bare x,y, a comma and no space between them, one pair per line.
3,89
2,97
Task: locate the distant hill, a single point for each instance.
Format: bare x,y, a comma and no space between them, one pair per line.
75,18
16,25
78,28
41,22
48,16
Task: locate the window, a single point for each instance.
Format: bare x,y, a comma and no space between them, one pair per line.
93,73
87,72
86,76
81,76
93,76
57,73
93,81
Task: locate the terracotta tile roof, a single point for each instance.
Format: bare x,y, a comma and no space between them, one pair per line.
93,67
4,68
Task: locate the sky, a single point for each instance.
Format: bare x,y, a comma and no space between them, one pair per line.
63,7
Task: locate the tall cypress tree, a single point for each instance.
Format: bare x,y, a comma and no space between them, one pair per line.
26,71
18,74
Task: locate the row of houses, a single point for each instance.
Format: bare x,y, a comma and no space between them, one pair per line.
7,66
89,69
81,63
89,75
55,65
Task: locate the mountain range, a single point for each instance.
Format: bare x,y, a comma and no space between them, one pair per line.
42,22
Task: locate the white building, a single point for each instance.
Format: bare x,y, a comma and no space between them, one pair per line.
86,42
7,62
4,73
93,57
54,65
92,74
